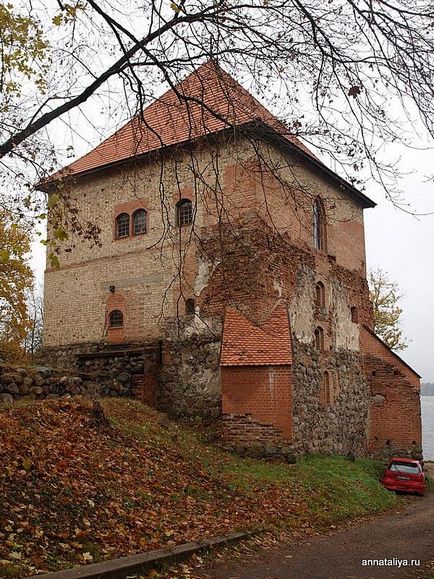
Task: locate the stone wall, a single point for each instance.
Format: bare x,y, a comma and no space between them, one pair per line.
180,375
338,425
189,383
41,382
134,366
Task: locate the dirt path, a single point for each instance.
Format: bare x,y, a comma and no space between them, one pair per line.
407,535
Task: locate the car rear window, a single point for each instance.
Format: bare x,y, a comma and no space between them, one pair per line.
404,467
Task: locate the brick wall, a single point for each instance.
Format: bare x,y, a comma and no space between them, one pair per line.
143,268
395,415
263,392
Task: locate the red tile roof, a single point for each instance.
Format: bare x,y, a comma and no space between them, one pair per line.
170,120
212,101
247,344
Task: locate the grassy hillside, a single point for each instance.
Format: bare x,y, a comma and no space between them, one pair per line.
73,493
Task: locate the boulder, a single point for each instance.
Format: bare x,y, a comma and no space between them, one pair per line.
7,378
44,371
123,377
6,398
38,379
13,389
24,389
27,381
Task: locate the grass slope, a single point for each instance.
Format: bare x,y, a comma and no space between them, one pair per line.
72,493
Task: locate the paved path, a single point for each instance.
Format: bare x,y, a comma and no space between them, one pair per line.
407,535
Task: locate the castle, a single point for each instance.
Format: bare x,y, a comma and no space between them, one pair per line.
230,280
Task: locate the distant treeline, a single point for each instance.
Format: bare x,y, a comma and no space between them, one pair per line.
427,389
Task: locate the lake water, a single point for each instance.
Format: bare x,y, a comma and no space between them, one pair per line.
427,403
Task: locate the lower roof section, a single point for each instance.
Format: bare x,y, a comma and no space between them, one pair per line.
248,344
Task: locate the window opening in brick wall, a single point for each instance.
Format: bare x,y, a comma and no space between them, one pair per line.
122,225
326,388
320,295
184,212
189,307
319,339
116,319
139,221
319,225
354,315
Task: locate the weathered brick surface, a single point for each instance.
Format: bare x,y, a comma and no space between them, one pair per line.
264,392
395,420
143,268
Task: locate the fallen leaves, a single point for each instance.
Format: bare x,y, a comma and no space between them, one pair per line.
73,494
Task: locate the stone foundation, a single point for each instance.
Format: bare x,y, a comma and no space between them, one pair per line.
242,434
180,376
134,366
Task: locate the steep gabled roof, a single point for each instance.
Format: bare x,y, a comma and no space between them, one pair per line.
208,101
171,119
247,344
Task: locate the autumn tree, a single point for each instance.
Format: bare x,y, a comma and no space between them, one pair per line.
15,280
385,296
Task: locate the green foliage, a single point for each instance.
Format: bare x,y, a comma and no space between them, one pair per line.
385,297
16,279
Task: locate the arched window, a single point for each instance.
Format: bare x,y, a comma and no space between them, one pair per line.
116,319
320,295
319,225
354,315
184,212
139,221
189,307
319,339
122,225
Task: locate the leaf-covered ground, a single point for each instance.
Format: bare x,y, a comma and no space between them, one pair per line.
72,493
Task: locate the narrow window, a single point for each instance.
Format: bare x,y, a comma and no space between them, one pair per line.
318,223
189,307
320,295
354,315
116,319
122,225
319,339
184,212
326,392
139,221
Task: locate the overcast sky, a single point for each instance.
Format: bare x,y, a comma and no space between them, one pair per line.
403,246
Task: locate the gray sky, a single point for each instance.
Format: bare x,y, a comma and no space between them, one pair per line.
403,246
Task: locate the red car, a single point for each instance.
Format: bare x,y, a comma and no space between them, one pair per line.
404,474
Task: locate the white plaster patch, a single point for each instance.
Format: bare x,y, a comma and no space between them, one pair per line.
205,270
346,331
301,315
